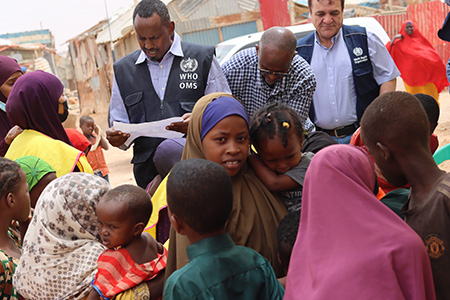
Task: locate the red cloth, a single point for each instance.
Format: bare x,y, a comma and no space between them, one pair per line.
96,158
434,143
418,61
78,140
382,183
118,272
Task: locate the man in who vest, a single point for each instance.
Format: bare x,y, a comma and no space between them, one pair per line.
352,67
164,79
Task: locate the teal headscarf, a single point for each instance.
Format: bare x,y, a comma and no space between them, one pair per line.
35,168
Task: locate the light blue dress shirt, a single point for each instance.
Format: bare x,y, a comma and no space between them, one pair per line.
335,97
159,73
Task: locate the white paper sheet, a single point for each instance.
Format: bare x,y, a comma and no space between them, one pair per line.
149,129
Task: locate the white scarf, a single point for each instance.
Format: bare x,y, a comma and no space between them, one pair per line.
61,246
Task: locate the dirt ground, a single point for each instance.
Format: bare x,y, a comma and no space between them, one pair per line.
121,170
120,167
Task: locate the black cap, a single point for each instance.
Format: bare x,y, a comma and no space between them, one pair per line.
444,32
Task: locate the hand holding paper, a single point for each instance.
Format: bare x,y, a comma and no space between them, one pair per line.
149,129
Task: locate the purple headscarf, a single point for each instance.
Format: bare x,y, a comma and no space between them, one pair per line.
8,66
33,104
168,154
218,110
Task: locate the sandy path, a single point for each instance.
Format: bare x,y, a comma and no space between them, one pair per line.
120,167
443,128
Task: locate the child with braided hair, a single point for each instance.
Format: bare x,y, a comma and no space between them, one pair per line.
14,206
276,133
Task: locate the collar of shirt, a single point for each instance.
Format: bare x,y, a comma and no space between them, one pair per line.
210,245
175,50
333,39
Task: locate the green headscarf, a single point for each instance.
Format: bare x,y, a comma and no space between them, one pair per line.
35,168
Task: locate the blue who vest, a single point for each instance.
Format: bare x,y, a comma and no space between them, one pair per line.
186,84
355,37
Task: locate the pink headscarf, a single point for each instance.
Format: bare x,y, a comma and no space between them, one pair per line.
349,245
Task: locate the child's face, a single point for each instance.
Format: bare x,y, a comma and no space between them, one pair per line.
278,158
116,225
88,127
22,198
227,144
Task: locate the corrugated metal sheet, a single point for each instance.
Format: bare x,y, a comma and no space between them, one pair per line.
182,10
187,7
204,37
248,5
427,17
175,14
392,23
235,30
274,13
194,25
117,23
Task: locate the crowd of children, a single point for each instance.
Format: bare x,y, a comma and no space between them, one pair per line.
255,209
230,237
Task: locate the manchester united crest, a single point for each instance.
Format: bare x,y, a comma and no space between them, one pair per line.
435,246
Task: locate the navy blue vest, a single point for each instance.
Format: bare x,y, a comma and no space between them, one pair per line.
355,37
186,84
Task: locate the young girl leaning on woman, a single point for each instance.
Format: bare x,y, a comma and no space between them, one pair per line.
277,135
14,206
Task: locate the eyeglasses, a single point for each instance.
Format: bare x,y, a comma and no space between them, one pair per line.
278,74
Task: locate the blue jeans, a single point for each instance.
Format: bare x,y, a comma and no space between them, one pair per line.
344,140
106,177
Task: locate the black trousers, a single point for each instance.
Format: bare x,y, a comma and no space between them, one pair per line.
144,172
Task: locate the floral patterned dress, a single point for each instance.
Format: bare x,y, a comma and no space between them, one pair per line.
7,268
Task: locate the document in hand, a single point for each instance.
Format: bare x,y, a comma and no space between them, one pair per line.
149,129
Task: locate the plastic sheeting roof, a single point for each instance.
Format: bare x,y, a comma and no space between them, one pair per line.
120,23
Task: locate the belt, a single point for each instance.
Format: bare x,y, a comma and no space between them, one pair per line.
340,132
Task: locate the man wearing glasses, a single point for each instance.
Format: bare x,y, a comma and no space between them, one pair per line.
272,71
